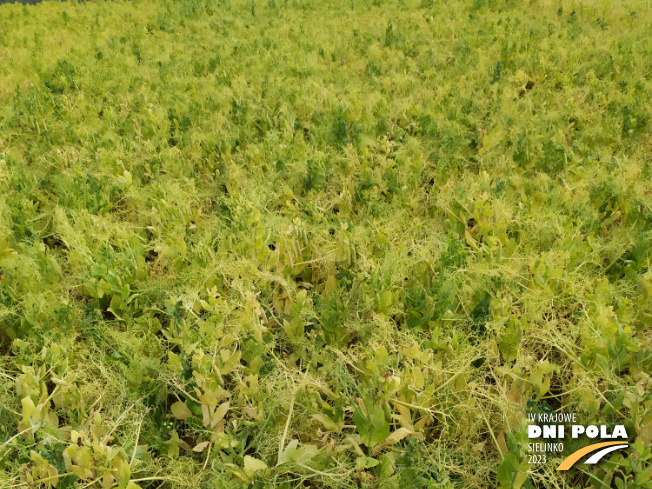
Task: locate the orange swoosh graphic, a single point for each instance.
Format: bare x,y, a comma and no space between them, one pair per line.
575,456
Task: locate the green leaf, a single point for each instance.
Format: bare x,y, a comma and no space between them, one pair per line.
328,423
386,467
366,462
510,340
180,410
305,453
253,465
28,409
294,328
300,455
373,427
288,452
512,474
174,361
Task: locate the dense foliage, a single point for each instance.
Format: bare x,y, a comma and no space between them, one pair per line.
292,243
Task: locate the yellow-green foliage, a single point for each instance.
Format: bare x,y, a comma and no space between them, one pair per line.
292,243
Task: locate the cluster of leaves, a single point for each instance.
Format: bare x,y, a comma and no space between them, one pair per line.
237,250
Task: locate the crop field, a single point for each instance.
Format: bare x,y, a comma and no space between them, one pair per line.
329,244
